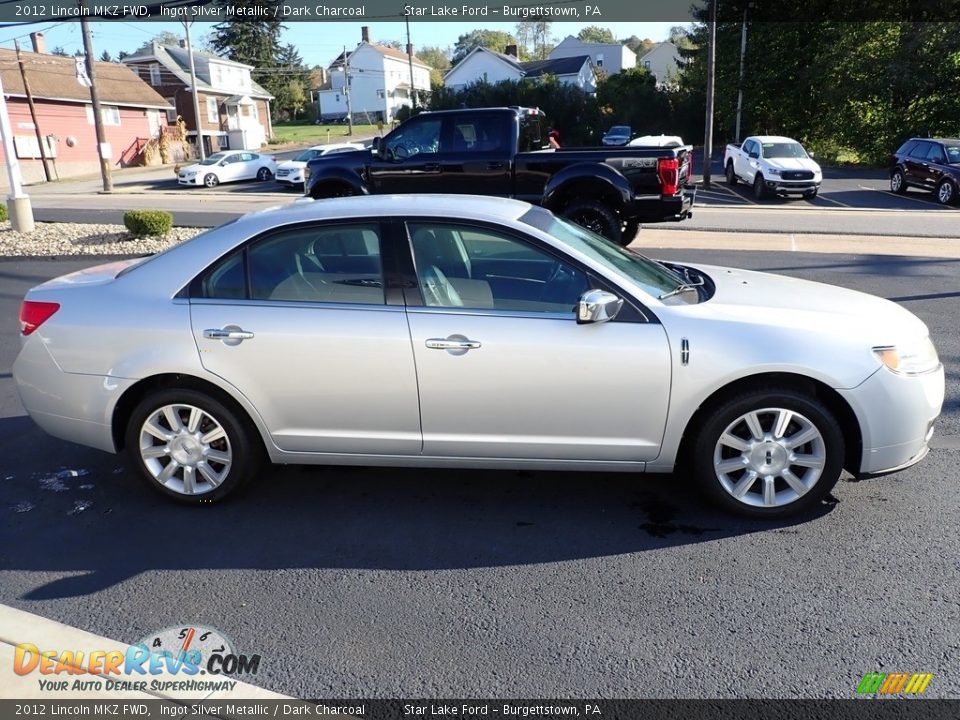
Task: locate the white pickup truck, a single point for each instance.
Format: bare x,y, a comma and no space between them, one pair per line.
773,165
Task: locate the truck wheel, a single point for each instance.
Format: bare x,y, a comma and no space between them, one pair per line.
732,178
597,217
759,189
630,230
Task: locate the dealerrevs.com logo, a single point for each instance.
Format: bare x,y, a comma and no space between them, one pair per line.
168,660
894,683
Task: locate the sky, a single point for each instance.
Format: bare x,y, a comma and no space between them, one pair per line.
318,42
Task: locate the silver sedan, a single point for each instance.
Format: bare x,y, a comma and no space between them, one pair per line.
444,331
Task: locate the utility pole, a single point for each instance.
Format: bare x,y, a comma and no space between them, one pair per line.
103,146
743,54
18,204
33,113
413,88
711,69
193,91
346,90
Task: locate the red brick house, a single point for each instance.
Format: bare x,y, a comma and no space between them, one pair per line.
234,110
132,111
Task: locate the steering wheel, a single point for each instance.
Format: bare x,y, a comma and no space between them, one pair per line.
558,283
437,290
402,151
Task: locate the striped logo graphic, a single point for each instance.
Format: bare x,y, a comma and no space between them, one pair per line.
894,683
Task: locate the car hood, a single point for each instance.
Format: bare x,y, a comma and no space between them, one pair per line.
196,167
347,157
793,164
803,304
292,165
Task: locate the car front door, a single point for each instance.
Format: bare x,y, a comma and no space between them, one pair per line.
505,371
916,166
410,160
936,159
230,168
297,322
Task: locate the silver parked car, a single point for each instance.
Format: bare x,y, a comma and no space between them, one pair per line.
453,331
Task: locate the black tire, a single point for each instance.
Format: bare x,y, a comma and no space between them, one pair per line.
759,189
264,174
811,194
706,447
211,180
597,217
241,442
631,228
898,183
732,178
946,193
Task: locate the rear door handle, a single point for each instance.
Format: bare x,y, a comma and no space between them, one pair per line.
448,344
227,334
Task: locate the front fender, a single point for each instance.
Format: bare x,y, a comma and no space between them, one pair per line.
340,175
589,180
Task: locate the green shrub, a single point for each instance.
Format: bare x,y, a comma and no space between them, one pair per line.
3,213
148,222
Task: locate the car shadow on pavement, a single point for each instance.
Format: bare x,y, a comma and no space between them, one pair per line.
82,522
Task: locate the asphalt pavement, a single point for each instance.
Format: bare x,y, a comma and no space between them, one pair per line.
366,582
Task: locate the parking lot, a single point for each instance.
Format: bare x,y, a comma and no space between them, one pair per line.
507,584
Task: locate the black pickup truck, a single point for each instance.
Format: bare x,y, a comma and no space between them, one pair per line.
505,152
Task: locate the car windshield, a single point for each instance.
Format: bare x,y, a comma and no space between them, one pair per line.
953,153
619,130
783,150
308,155
213,159
654,278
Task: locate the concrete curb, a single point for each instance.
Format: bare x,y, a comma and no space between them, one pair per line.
18,626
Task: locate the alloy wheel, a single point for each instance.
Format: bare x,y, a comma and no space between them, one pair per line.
945,193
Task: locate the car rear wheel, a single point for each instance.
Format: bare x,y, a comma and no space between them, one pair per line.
264,174
768,453
211,180
631,229
732,178
597,217
898,183
759,188
946,193
191,447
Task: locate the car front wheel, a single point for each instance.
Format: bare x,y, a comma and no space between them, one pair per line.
191,447
732,178
759,188
768,453
264,174
211,180
946,193
898,184
597,217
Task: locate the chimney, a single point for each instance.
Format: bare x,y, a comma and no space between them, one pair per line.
39,44
365,34
511,50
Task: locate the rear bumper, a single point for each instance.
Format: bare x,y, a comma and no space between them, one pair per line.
659,208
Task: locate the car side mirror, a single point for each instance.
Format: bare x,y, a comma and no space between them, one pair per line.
597,306
222,163
811,154
377,145
754,155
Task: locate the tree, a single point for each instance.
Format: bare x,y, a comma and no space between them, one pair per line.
637,45
596,34
58,50
437,60
122,54
166,38
680,37
251,42
534,38
291,98
105,56
495,40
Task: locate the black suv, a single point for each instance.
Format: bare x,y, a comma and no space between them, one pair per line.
929,163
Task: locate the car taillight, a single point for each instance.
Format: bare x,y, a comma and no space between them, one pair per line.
668,170
33,314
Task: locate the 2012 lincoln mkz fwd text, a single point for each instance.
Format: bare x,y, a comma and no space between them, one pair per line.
460,331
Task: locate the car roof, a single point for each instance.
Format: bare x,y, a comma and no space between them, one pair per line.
936,139
773,139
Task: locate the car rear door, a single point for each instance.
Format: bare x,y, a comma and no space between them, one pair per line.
297,321
916,167
478,157
503,368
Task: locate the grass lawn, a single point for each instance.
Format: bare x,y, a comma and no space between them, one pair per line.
317,134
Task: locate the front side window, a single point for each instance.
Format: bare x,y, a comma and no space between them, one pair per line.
936,154
415,137
464,266
330,264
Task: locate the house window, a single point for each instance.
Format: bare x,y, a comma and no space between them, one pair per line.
599,62
380,94
109,114
172,112
154,74
646,64
212,114
255,111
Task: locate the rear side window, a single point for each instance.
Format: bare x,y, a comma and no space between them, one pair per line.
907,147
920,150
480,134
530,134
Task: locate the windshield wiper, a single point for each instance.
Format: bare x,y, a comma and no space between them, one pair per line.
682,288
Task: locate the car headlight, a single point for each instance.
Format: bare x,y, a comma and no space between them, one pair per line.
191,174
909,359
306,173
774,171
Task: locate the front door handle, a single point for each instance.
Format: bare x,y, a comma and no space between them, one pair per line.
495,165
227,333
452,344
432,167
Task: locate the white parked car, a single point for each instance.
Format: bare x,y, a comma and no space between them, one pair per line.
291,172
472,332
773,166
228,166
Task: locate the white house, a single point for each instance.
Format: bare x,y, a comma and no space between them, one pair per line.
610,57
663,61
379,81
488,66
